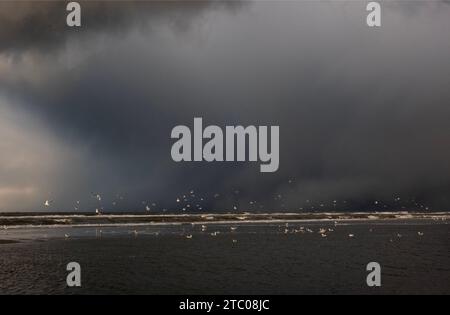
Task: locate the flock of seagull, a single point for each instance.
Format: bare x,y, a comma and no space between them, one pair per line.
204,229
323,232
191,201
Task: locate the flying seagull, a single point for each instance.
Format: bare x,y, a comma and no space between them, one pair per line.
47,203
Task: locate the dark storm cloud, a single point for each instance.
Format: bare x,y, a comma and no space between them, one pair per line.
33,36
362,112
41,25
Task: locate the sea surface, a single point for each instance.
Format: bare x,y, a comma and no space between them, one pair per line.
217,258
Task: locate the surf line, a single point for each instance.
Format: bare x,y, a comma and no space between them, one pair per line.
236,147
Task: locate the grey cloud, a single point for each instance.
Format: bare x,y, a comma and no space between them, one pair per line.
41,25
362,112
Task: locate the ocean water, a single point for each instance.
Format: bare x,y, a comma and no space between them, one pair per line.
263,258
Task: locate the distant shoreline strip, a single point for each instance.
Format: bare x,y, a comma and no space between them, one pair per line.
111,220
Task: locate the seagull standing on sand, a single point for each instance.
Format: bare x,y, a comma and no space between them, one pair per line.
323,232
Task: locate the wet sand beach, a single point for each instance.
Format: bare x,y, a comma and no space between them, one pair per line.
250,257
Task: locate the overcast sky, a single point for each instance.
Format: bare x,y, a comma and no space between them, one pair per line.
363,113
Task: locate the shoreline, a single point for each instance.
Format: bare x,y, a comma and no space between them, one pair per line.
92,220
